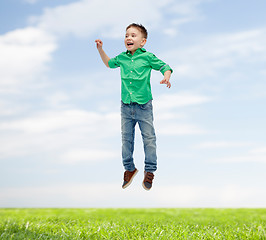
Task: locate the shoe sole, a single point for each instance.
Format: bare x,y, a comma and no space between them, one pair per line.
130,180
147,189
143,185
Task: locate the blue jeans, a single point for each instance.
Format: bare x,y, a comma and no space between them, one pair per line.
143,115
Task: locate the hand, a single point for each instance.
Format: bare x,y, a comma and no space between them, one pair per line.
166,81
99,43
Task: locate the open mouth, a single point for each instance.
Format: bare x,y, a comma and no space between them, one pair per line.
130,44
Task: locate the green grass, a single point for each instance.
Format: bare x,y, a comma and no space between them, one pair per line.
132,224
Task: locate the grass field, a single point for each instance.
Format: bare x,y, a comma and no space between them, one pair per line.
132,224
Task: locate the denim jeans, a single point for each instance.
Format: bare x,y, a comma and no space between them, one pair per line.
143,115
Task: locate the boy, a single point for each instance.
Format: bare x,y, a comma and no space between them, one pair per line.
136,105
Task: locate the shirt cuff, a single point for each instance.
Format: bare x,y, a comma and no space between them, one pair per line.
165,68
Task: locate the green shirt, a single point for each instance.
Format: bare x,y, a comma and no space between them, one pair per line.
135,74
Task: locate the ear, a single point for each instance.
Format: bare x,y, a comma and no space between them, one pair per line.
143,42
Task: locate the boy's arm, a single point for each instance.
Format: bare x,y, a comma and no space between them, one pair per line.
102,53
166,80
161,66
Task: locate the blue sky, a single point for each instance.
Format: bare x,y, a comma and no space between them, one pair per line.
60,106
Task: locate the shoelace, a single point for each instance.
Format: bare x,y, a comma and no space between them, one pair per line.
149,177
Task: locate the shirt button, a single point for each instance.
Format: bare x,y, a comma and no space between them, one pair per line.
132,60
131,93
130,82
131,71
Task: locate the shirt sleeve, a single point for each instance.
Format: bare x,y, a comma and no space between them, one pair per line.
114,62
159,65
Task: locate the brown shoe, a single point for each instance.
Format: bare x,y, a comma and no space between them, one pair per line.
128,177
147,182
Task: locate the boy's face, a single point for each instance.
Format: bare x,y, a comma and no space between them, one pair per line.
134,39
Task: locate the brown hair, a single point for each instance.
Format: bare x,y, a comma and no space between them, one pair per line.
140,27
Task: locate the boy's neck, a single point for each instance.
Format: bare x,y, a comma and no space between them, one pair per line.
132,52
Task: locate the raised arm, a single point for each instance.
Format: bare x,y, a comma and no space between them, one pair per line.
105,58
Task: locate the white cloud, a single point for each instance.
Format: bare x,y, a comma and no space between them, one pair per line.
173,129
170,31
259,150
112,195
81,18
168,114
24,55
207,196
183,7
180,99
58,99
222,144
165,116
50,121
31,1
215,53
88,155
242,158
247,155
10,108
51,132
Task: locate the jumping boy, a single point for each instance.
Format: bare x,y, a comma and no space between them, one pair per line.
136,105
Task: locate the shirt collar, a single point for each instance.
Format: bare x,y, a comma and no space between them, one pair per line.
138,51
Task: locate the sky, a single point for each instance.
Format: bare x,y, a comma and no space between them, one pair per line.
60,137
